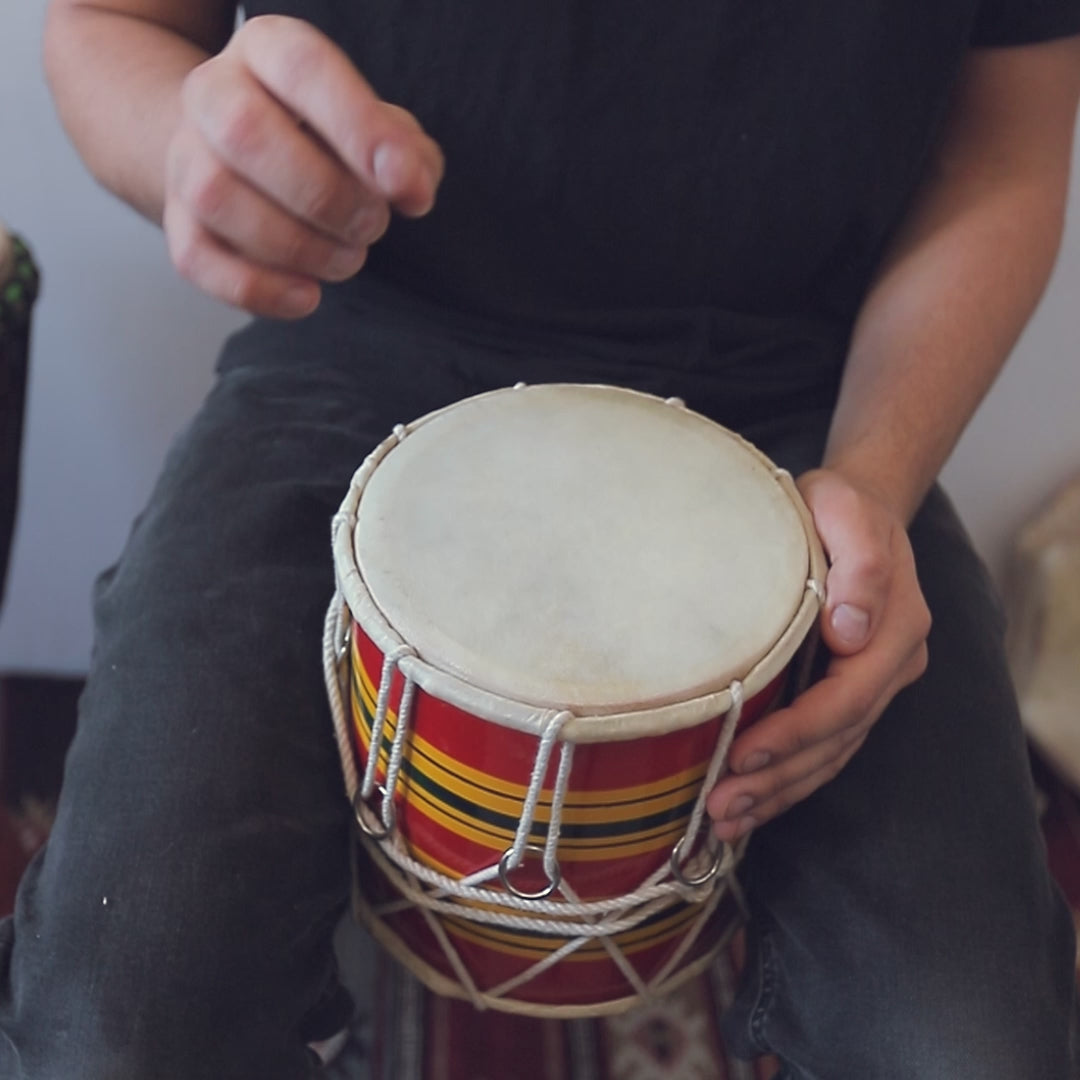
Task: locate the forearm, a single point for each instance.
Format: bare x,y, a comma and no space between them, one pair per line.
116,79
956,289
933,335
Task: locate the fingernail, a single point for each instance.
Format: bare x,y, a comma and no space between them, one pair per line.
345,262
748,824
725,830
299,300
361,230
739,806
389,163
850,624
757,760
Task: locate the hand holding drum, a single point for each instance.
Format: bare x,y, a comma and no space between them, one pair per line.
285,169
875,624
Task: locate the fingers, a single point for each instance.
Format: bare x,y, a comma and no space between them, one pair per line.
248,133
313,79
208,263
812,740
227,206
748,810
860,546
875,622
284,169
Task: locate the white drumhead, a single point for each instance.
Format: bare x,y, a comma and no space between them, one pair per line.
581,547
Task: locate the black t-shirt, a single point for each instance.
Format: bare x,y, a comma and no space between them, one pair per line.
608,156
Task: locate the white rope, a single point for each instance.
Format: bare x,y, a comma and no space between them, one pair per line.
616,954
688,939
499,907
718,762
538,968
454,957
335,672
397,749
532,796
558,797
382,704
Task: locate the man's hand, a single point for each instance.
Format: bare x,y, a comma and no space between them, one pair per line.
875,622
284,169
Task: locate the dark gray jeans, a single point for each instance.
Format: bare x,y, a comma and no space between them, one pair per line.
179,923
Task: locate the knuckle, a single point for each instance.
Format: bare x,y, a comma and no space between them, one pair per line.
299,61
317,201
194,87
860,704
850,503
800,740
873,567
926,620
379,221
240,127
239,288
345,265
297,250
836,764
369,224
207,190
919,662
185,251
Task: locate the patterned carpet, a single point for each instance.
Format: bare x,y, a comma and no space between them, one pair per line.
403,1033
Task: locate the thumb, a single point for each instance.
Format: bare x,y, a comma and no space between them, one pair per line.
856,532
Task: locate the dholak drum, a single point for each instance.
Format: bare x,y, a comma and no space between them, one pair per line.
556,604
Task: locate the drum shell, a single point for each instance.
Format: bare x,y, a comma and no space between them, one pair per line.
457,805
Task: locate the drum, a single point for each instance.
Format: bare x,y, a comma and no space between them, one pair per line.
18,291
556,604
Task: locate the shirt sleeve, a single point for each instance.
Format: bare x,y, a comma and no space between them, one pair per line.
1024,22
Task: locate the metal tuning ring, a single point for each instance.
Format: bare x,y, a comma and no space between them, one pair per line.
504,876
370,823
702,879
345,635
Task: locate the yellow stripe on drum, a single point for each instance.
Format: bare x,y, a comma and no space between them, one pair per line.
494,823
499,785
570,849
485,789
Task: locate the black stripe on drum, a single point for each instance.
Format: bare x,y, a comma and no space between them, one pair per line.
363,696
609,846
570,830
629,830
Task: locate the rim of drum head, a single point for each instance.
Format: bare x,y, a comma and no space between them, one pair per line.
595,721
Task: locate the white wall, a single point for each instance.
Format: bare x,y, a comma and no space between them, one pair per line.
123,353
1024,442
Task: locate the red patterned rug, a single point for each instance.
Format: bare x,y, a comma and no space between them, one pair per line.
674,1038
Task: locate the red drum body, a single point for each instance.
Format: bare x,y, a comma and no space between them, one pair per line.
544,849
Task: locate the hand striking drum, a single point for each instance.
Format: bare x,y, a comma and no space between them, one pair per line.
555,606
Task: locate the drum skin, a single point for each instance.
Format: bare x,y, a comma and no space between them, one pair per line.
458,802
